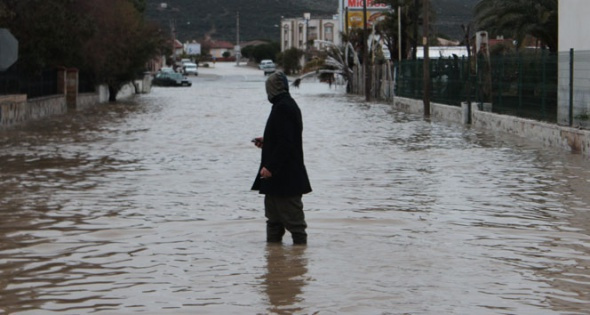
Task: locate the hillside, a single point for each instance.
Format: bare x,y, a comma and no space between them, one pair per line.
194,19
217,18
450,14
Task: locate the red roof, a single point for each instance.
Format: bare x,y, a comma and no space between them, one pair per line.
222,44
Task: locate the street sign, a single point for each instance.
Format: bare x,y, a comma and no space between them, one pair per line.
8,49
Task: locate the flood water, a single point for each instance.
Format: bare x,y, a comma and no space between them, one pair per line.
144,207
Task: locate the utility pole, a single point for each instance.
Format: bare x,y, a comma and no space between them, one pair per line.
173,31
346,21
415,18
467,30
306,17
366,58
426,15
415,42
238,52
399,33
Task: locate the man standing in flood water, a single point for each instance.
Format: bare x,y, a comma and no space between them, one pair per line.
282,176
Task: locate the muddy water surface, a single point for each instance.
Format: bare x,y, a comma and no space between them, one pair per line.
144,207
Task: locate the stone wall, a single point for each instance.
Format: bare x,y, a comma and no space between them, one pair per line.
87,100
16,109
46,106
551,135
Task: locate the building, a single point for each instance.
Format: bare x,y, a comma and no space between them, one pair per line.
300,31
574,48
219,47
192,48
435,52
178,48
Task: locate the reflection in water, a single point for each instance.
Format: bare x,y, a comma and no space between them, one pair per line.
285,277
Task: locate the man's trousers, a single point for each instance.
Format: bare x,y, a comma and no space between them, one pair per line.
285,213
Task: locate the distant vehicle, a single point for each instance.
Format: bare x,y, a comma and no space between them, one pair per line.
171,79
190,68
167,70
267,66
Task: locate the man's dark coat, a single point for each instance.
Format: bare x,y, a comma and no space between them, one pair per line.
282,152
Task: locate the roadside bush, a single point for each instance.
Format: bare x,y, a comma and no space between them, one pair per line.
290,60
262,51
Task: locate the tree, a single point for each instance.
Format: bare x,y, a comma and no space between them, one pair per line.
122,42
266,51
53,35
108,39
5,13
411,20
140,5
355,38
290,60
247,52
519,19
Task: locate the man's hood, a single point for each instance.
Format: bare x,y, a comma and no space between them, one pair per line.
276,84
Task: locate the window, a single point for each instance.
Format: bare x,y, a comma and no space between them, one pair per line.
329,32
313,33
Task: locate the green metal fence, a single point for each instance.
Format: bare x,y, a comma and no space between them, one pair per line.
42,83
523,85
449,78
574,89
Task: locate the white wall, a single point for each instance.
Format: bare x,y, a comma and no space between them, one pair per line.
550,135
574,25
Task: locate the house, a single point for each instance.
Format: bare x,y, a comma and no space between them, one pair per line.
156,64
178,48
299,32
219,47
253,43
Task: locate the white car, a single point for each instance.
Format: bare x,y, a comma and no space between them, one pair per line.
267,66
190,68
167,70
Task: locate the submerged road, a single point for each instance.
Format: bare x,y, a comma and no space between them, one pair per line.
144,207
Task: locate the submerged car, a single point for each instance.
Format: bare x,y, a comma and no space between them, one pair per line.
171,79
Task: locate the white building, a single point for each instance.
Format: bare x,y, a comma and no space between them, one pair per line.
573,20
298,32
435,52
192,48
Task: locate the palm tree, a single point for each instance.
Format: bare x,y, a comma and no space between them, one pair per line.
411,26
520,18
411,17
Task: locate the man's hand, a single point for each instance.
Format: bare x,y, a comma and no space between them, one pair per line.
264,173
259,141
